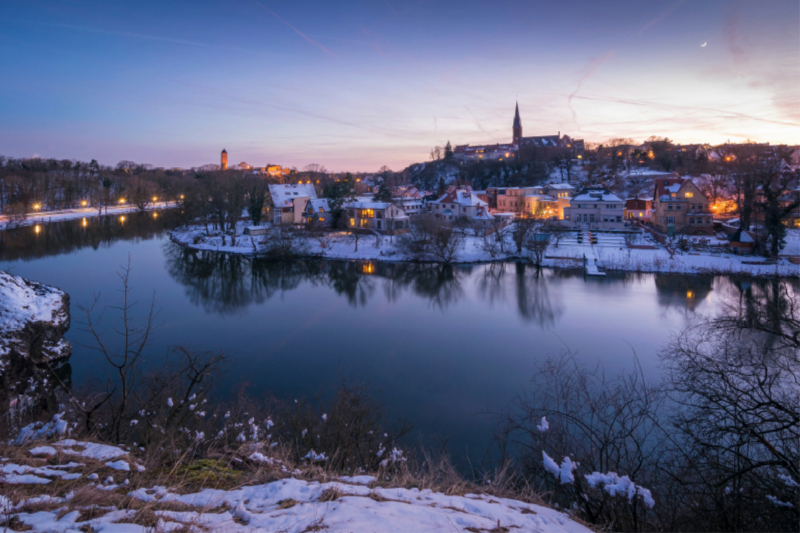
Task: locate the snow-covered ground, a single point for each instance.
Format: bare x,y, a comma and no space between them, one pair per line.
71,214
291,504
33,318
611,252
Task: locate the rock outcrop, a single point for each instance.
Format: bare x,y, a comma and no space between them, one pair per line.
33,320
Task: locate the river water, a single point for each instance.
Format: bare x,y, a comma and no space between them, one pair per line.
439,346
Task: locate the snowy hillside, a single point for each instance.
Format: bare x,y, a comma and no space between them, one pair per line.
71,486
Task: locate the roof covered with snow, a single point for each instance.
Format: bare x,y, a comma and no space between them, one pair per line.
284,193
463,197
595,194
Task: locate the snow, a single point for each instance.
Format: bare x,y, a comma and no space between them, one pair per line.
91,450
23,474
544,426
611,252
23,301
119,465
619,485
359,505
43,450
72,214
283,194
550,465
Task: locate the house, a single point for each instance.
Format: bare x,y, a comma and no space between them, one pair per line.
679,203
411,206
378,216
531,201
597,207
288,202
638,209
483,219
562,193
317,211
457,203
485,152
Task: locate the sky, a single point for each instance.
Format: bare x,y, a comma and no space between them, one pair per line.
357,85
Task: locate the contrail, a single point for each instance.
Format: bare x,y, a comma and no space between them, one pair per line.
588,71
661,16
301,34
390,8
133,35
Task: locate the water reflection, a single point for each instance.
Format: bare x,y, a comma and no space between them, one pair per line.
227,284
55,238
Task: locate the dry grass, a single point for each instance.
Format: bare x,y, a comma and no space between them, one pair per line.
331,494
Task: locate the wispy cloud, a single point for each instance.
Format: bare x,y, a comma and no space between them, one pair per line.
588,71
721,113
390,8
661,16
301,34
133,35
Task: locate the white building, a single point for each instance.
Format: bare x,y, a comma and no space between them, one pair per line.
289,201
457,203
378,216
596,207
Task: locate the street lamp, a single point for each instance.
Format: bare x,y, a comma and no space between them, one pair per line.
84,203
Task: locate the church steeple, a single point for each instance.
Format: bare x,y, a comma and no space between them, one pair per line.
517,127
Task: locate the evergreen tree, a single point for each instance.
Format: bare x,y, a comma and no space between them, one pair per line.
338,194
257,197
448,150
441,188
384,193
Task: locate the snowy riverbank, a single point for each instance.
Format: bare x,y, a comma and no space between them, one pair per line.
610,252
7,222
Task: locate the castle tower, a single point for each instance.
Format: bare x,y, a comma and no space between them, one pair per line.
517,128
224,159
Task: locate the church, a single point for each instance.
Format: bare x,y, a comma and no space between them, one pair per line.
548,144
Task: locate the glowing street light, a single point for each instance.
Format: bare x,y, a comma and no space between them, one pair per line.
155,198
36,207
122,200
84,203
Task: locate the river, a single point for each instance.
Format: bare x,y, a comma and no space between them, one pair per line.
440,346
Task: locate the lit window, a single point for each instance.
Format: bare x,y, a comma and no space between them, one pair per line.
689,195
352,222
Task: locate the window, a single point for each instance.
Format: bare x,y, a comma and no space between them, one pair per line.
691,221
321,210
619,219
689,195
669,207
641,214
677,207
670,220
352,222
369,213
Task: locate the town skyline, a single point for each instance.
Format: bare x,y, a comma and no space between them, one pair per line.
273,85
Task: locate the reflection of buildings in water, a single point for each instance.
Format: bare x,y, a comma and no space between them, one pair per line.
534,301
533,298
676,290
228,283
56,238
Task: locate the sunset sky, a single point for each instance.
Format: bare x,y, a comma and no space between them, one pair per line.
357,85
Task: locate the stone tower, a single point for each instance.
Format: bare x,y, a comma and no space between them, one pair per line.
517,128
224,159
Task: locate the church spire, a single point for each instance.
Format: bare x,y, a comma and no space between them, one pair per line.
517,127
